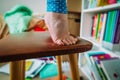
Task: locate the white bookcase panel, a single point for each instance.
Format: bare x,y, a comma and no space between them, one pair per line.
86,27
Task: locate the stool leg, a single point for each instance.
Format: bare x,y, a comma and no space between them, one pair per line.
17,70
74,67
59,67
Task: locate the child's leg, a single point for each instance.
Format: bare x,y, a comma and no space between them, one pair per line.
57,22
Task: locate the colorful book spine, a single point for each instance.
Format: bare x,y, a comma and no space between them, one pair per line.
112,1
97,26
100,26
87,55
94,26
107,27
92,22
112,33
105,2
96,59
116,33
102,2
103,27
100,70
111,27
99,2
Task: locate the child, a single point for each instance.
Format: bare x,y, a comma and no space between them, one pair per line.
57,22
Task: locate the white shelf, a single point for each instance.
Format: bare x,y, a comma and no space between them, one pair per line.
98,46
102,8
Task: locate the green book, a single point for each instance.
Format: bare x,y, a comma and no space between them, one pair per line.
107,26
111,23
118,1
28,79
97,26
49,70
102,74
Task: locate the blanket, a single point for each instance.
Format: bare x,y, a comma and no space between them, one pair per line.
18,18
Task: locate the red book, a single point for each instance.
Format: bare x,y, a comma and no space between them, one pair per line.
112,1
94,26
101,57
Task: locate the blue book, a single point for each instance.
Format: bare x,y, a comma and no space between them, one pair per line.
112,26
107,26
116,33
49,70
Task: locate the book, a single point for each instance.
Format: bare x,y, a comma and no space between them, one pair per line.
111,68
33,67
37,66
114,26
103,17
92,30
111,39
100,57
88,54
94,72
91,64
88,67
96,60
97,26
103,27
49,70
98,67
112,1
28,65
107,27
94,25
100,26
102,2
116,31
111,26
99,2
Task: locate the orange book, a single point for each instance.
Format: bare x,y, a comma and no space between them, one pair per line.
94,25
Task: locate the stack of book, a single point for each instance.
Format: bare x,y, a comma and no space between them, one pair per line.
106,29
98,3
33,67
102,66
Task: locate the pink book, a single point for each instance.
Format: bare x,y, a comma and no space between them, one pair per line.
112,1
101,57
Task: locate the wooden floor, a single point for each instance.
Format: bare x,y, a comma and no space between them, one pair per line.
6,76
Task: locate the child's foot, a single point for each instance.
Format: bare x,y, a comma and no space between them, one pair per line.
57,24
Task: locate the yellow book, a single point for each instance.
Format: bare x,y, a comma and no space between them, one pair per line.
28,64
101,2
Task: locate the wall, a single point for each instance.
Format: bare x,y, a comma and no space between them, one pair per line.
74,6
38,6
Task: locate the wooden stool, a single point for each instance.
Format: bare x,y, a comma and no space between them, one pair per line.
18,47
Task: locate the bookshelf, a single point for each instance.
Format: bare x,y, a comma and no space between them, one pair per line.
86,27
